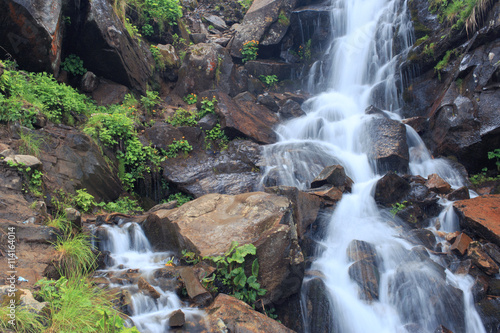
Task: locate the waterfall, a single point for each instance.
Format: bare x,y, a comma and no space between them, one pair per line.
415,294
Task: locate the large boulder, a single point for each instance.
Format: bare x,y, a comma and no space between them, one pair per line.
209,224
480,216
206,66
228,314
391,189
232,171
32,33
386,145
109,51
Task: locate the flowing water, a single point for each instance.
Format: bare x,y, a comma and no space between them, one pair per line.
415,294
130,254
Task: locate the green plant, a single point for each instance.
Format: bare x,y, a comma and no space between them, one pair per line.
444,62
249,50
178,146
190,257
30,143
181,198
190,99
74,252
231,272
283,19
164,10
269,80
460,13
26,320
211,27
397,207
32,178
150,100
158,57
429,49
123,205
84,200
218,136
421,40
73,65
207,106
183,117
245,4
495,154
147,30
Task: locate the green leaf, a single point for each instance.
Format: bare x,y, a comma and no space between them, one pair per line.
233,245
240,279
255,267
241,252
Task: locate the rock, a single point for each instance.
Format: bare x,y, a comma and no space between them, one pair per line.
305,206
33,33
216,21
360,250
459,194
24,298
232,171
148,289
330,195
391,189
109,51
461,244
480,215
422,236
238,316
74,217
108,93
319,307
366,275
209,224
481,259
268,101
291,109
28,160
437,184
494,287
258,68
442,329
90,82
208,122
419,124
243,117
375,110
386,147
489,312
171,61
197,293
167,205
206,66
199,38
333,175
493,251
177,319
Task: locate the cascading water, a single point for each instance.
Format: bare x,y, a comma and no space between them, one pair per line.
414,294
130,252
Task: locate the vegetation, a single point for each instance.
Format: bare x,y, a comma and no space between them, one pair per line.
74,253
245,4
190,99
397,207
249,50
32,178
183,117
181,198
216,136
73,65
177,147
444,62
269,80
158,58
26,321
207,106
30,144
151,12
460,13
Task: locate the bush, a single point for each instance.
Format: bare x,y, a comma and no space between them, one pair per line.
181,198
183,117
178,146
73,65
249,50
75,253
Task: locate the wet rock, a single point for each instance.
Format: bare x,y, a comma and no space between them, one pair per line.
459,194
480,216
391,189
90,82
333,175
243,117
494,287
442,329
177,319
386,145
268,101
171,60
422,236
481,259
366,275
109,51
419,124
329,195
74,217
148,289
216,21
360,250
437,184
493,251
209,224
319,307
489,311
461,244
237,316
258,68
208,122
197,293
452,236
291,109
33,33
479,288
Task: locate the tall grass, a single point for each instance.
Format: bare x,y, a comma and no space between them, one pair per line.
75,254
26,321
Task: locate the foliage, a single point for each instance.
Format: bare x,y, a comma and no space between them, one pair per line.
444,62
249,50
178,146
84,200
73,65
190,257
495,154
190,99
29,143
75,253
283,19
207,106
157,11
158,57
459,13
231,272
245,4
269,80
147,30
178,41
181,198
123,205
132,29
397,207
25,321
110,128
421,40
217,135
183,117
429,50
150,100
32,178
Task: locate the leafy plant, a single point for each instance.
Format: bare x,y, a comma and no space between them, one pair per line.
459,13
397,207
190,99
147,30
190,257
495,154
183,117
429,49
132,29
164,10
158,57
283,19
32,178
269,80
178,146
123,205
73,65
181,198
207,106
246,4
218,136
150,100
84,200
249,50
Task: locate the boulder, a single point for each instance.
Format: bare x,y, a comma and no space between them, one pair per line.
147,288
422,236
74,217
197,293
171,61
268,101
109,51
32,33
216,21
437,184
258,68
461,193
109,92
176,319
319,307
262,23
228,314
90,82
243,117
209,224
489,311
232,171
493,251
367,277
206,66
360,250
333,175
386,145
461,244
481,259
480,216
291,109
391,189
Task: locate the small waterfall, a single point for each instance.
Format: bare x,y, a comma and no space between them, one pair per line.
130,251
415,294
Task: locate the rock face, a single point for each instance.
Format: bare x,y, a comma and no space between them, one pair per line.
228,314
32,33
209,224
480,215
109,51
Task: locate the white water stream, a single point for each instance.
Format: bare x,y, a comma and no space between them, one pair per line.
414,295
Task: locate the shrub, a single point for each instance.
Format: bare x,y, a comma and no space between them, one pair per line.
158,57
150,100
190,99
73,65
249,50
123,205
25,321
30,143
74,253
84,200
147,30
207,106
181,198
183,117
178,146
216,135
269,80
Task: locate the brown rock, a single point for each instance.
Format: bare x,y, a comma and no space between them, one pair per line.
360,250
330,195
108,92
391,189
90,82
177,319
461,244
481,215
437,184
147,288
481,259
240,317
493,251
195,290
442,329
366,275
451,236
332,175
459,194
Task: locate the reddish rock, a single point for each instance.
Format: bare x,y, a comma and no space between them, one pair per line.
329,195
236,316
197,293
461,244
147,288
481,216
437,184
481,259
450,237
108,92
391,189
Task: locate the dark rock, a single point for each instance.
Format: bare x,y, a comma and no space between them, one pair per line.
333,175
442,329
386,145
360,250
258,68
147,288
90,82
493,251
216,21
366,275
481,259
459,194
489,311
422,236
171,61
479,288
177,319
375,110
291,109
208,122
319,307
198,38
197,293
74,217
494,287
109,92
268,101
461,244
419,124
391,189
329,195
